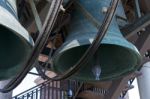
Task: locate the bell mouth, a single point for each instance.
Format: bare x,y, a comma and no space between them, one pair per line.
14,51
115,61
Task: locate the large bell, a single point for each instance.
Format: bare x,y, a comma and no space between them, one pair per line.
15,42
114,58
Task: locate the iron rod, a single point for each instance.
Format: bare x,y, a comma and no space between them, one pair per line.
36,16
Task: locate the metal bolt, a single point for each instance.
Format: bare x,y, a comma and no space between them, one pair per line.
62,8
143,30
138,33
147,54
104,10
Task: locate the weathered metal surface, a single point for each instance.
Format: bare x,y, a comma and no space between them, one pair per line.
16,44
82,33
136,26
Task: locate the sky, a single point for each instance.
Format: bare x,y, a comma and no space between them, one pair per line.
26,84
134,93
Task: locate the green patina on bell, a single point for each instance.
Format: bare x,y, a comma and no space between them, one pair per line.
116,57
15,42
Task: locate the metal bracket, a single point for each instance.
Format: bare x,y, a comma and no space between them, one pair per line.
147,54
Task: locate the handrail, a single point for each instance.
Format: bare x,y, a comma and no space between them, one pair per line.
49,89
34,87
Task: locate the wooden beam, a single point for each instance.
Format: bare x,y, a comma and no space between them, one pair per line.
138,25
117,87
143,44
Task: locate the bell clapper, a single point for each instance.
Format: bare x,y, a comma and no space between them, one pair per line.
96,68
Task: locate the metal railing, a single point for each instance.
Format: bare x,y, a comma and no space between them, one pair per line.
50,90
